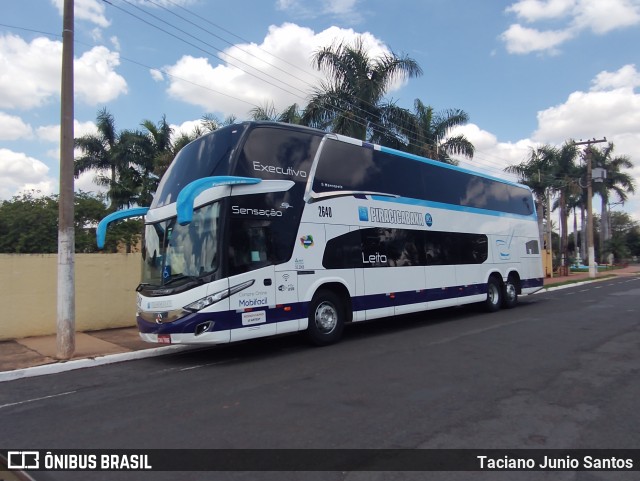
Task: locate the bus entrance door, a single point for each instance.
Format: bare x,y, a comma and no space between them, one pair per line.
254,304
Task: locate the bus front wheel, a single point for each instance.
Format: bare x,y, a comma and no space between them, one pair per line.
326,318
494,295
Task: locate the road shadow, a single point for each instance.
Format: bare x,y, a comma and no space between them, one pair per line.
296,343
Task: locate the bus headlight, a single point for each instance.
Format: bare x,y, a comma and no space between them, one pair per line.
217,297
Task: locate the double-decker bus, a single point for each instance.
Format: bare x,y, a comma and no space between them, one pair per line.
263,228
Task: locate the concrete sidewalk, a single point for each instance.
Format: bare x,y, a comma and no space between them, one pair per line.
115,345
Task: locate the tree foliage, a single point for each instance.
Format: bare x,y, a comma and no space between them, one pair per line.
352,101
29,225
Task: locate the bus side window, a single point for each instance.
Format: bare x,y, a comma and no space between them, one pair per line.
250,246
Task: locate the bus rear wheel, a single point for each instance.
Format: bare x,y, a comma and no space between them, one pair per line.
510,293
494,295
326,318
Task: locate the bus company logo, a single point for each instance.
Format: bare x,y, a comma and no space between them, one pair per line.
272,169
363,214
237,210
504,249
306,241
253,302
393,216
428,219
23,460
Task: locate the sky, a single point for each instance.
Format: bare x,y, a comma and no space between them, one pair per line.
527,72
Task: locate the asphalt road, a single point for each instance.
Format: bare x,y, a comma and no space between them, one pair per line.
558,371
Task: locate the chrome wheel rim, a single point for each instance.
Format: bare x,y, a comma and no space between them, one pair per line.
510,291
493,293
326,317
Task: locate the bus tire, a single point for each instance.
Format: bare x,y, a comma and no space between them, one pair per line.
510,294
494,295
326,318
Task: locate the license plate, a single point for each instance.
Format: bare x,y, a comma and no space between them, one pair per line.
164,338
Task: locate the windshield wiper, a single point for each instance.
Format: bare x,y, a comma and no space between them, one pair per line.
181,277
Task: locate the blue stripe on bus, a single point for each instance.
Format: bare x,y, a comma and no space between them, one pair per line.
458,208
299,310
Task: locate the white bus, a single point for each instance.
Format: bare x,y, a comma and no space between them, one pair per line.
263,228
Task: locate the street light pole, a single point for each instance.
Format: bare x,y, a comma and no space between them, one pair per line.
65,323
593,271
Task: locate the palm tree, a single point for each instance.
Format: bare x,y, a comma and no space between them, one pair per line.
536,172
616,182
119,154
566,184
352,102
266,112
290,115
429,136
578,201
160,137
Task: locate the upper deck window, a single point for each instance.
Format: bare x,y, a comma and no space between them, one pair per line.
276,153
350,167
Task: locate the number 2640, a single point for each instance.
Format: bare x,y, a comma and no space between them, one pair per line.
324,211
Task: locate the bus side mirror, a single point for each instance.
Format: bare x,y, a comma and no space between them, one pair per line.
187,196
101,231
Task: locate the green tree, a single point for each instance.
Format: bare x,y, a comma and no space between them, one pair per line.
29,224
566,174
124,155
537,173
624,236
162,153
617,183
290,115
429,135
352,101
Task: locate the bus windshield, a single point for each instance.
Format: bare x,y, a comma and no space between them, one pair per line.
179,255
206,156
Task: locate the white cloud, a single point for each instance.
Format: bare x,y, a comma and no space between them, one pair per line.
19,172
278,70
115,42
491,156
90,10
523,40
30,73
156,75
51,133
14,128
610,108
186,128
597,16
346,10
96,81
604,16
85,182
626,77
534,10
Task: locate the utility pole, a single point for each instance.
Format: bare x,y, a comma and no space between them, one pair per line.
590,248
66,318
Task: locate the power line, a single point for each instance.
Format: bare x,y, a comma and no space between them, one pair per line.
359,119
362,121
